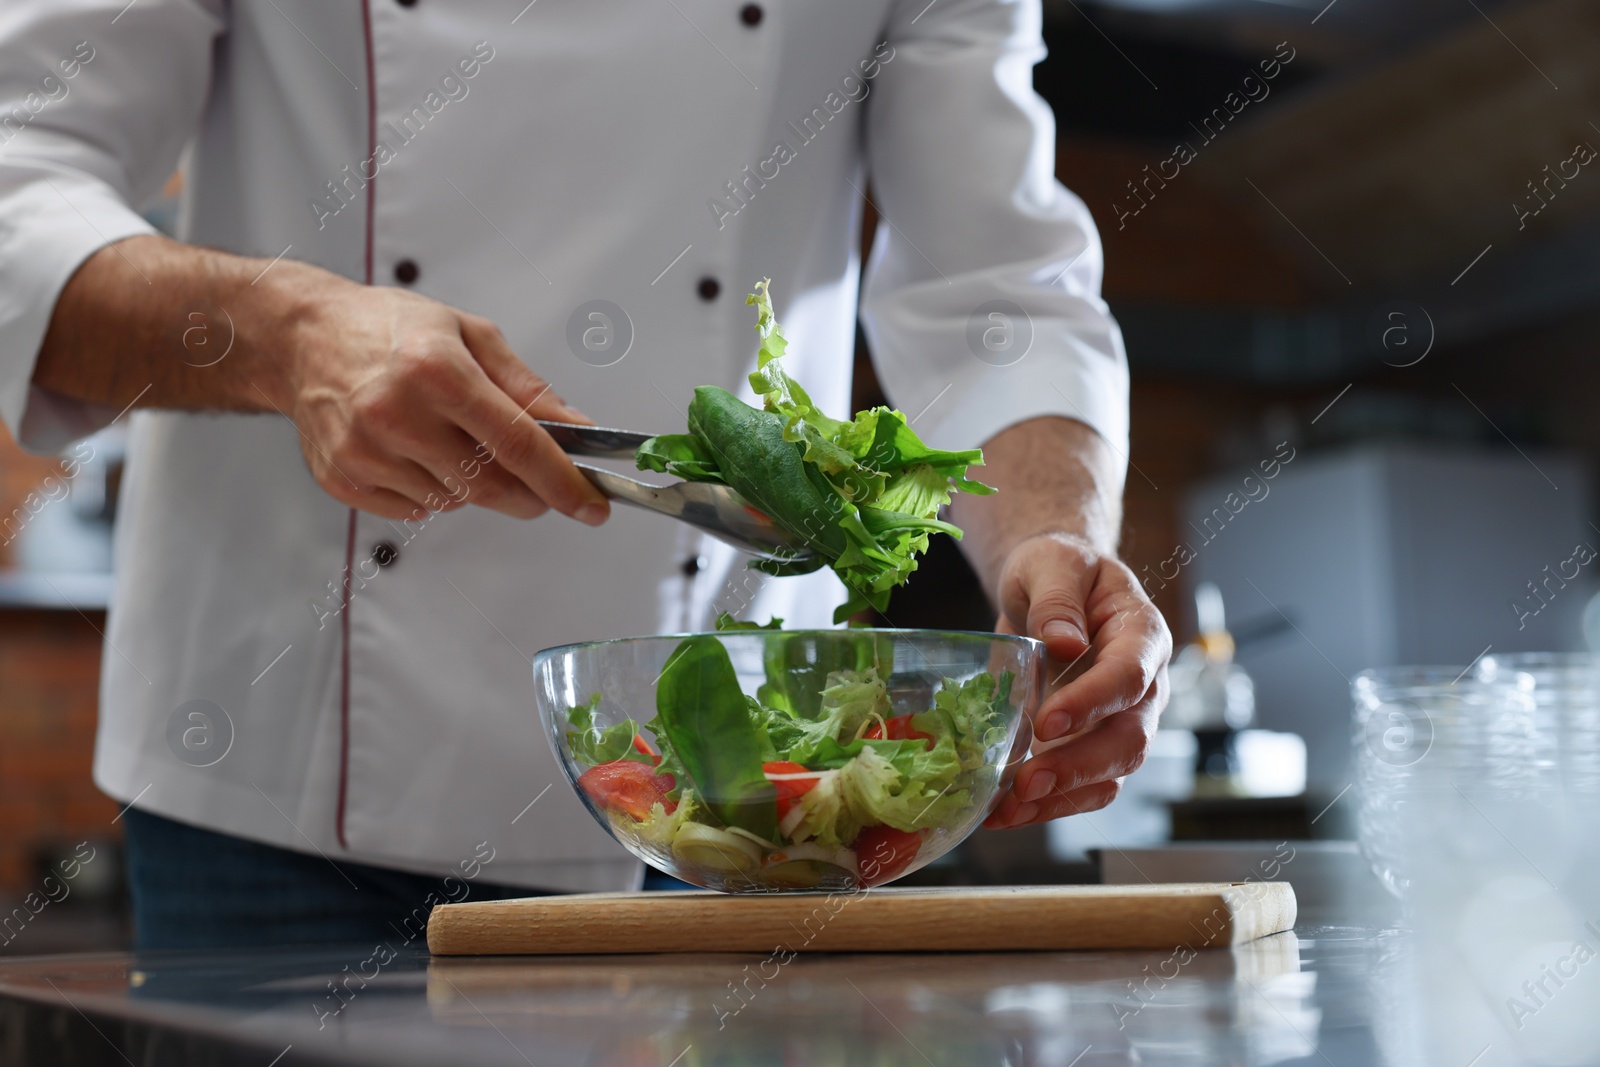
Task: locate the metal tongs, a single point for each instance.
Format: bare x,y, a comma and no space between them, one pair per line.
716,509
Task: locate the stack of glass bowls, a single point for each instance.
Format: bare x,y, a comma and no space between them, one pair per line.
1478,788
1423,733
1566,721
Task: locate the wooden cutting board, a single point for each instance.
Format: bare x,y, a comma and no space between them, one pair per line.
1017,918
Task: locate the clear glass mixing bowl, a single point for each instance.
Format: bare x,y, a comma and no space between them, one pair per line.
764,761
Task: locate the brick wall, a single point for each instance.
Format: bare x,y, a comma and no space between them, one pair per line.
1180,435
49,677
49,674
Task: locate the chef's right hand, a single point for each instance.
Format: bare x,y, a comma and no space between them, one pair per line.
405,404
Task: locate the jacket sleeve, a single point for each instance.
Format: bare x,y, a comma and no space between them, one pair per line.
982,295
97,99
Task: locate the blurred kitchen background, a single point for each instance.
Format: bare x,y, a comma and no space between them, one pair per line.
1355,251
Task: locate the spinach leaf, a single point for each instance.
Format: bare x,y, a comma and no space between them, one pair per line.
752,456
710,725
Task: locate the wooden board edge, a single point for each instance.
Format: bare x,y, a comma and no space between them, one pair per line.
1196,915
1261,909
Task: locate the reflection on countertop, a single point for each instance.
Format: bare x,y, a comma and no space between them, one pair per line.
1280,998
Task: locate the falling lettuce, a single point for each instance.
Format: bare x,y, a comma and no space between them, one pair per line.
864,495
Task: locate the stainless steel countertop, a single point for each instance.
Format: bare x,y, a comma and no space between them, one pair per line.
1305,997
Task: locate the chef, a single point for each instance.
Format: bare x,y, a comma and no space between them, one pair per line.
411,228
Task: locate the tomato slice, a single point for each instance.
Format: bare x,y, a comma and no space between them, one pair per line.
790,790
883,853
641,746
627,785
899,729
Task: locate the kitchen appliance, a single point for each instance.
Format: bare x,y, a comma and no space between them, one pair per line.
1211,696
1383,554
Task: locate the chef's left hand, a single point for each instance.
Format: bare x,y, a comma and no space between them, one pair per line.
1100,629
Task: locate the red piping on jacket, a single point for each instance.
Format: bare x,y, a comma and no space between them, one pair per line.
350,536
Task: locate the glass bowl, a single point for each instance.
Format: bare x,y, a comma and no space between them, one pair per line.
769,761
1424,736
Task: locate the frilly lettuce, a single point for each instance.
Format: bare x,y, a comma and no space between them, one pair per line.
661,826
871,490
850,701
904,784
826,818
973,713
878,791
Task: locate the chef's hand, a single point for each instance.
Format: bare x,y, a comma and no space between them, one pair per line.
1103,634
404,403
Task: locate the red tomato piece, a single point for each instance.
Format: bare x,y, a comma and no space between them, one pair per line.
883,853
641,746
899,729
790,790
627,785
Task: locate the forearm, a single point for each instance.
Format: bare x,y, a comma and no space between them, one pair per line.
393,394
1054,475
1046,548
177,327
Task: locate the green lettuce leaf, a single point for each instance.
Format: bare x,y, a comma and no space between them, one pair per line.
680,454
864,494
726,621
877,791
849,702
798,668
670,763
973,713
591,745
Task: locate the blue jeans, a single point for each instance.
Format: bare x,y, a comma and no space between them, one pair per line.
193,888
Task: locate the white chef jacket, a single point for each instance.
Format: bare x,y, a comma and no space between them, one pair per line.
527,160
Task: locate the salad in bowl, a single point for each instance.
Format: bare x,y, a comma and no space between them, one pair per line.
763,760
